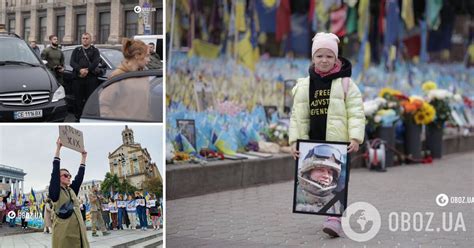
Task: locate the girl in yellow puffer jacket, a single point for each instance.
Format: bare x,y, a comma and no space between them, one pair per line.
327,105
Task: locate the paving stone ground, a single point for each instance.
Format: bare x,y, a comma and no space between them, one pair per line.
262,216
39,239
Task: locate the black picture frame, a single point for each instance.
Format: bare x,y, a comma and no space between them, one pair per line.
269,110
187,128
313,149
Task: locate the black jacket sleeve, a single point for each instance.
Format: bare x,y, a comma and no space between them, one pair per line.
5,197
55,183
76,184
75,60
95,59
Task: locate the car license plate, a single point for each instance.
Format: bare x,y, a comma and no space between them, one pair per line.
18,115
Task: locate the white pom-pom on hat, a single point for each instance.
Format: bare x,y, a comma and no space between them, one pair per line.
325,40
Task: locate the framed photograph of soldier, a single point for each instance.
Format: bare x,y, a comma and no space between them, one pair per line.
269,111
204,94
287,96
321,178
188,129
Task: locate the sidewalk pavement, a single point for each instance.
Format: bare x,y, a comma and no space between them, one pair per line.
39,239
262,216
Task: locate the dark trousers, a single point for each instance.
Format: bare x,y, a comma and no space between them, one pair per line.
24,223
106,217
141,211
83,88
114,220
121,219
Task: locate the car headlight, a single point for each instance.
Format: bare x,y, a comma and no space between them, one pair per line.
59,94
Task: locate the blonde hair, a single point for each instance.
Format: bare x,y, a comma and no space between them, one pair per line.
132,48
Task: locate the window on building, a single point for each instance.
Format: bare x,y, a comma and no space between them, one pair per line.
26,28
158,28
104,27
136,167
81,22
42,29
131,24
11,25
60,27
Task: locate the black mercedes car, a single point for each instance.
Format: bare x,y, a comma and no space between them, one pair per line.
28,90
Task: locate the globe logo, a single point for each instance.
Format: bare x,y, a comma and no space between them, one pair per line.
361,221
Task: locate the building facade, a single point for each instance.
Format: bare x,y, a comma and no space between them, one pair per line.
12,176
108,21
132,162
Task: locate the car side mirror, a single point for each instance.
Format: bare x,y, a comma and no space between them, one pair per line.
45,61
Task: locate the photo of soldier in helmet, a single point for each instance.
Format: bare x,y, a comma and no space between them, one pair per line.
319,173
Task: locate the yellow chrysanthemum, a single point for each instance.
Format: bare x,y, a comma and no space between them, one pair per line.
425,115
389,91
429,85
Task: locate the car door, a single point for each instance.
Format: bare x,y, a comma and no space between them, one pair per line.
134,96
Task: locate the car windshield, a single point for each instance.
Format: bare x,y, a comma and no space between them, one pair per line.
114,56
16,50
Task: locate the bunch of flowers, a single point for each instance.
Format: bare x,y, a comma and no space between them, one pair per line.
276,133
393,98
371,108
417,110
439,99
383,110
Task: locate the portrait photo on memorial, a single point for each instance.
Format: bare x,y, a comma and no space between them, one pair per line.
321,178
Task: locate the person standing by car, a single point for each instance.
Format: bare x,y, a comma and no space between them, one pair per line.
69,229
55,58
35,47
84,61
155,60
136,56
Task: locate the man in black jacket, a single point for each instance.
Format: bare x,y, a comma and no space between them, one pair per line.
84,61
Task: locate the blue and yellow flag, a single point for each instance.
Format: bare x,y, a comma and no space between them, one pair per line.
32,196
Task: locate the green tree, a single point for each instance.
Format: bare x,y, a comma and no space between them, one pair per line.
154,185
127,187
111,182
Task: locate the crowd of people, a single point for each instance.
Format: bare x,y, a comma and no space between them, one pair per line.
88,66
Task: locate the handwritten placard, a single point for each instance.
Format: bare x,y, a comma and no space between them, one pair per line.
71,138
